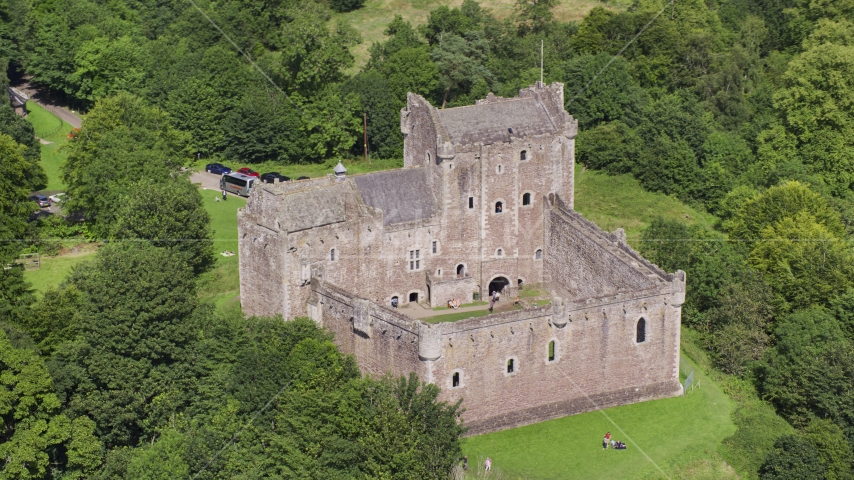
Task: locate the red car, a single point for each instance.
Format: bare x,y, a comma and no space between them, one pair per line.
247,171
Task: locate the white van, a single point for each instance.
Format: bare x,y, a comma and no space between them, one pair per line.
237,183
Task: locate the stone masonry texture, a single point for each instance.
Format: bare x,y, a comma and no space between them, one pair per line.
485,196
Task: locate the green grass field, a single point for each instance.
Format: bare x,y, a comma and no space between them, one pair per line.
619,201
221,284
678,435
453,317
372,19
52,159
54,270
47,125
51,128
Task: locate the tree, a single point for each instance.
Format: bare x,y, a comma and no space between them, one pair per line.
608,96
834,453
460,62
312,55
612,146
817,112
53,319
536,15
739,325
793,458
411,70
808,372
346,5
121,141
747,212
383,114
15,208
22,132
804,262
104,67
169,214
127,370
33,430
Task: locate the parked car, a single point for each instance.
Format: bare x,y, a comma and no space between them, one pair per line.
248,171
217,168
272,176
57,198
41,200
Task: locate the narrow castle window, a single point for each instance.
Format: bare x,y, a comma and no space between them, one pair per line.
456,380
332,254
641,331
552,351
435,246
471,202
439,272
526,199
538,255
499,252
523,155
499,207
500,169
510,366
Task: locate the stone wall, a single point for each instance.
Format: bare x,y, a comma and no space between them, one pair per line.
382,340
597,362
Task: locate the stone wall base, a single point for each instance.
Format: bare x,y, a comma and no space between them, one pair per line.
581,404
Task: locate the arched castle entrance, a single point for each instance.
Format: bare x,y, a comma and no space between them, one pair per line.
497,284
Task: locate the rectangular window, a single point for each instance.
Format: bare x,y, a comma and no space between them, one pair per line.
435,246
471,202
414,260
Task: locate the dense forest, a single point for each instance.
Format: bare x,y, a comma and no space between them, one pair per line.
744,108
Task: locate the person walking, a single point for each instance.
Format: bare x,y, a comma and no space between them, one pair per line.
224,198
487,464
606,441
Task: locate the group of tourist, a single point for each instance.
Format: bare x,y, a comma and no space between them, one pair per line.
454,303
615,444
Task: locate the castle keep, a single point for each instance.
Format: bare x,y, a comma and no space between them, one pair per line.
484,202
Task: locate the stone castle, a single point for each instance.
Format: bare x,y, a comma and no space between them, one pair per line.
484,203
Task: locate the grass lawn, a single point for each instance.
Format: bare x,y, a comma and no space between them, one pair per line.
55,269
453,317
372,19
619,201
47,125
472,304
680,435
51,128
221,284
51,160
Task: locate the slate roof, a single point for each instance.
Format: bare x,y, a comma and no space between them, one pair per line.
314,207
489,122
402,195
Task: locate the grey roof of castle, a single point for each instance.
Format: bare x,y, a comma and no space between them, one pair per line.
489,122
403,195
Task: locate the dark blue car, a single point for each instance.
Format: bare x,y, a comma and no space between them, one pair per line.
217,168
